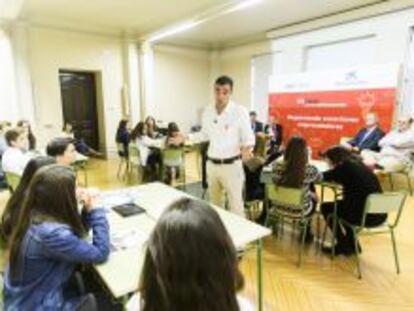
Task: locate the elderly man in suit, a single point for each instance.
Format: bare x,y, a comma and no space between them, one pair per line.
368,137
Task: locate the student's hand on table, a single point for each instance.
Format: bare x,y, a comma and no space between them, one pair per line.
89,198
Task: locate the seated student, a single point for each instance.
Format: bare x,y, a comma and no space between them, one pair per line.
294,171
254,188
368,137
275,132
257,127
62,149
4,127
14,159
80,144
148,147
200,274
122,137
358,181
152,129
14,204
48,242
174,139
396,148
31,139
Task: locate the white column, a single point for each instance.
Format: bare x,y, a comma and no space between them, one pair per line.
131,89
9,109
23,81
146,78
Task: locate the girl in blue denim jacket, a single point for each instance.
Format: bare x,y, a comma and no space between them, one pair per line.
47,243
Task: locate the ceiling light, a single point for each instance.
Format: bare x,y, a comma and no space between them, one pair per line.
241,5
174,30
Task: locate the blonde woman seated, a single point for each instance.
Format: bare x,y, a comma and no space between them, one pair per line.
294,171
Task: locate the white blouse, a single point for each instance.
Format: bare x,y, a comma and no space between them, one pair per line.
144,143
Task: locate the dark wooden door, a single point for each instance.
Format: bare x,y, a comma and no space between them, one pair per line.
78,91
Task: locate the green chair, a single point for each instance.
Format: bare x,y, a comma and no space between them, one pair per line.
172,158
404,172
134,160
280,203
376,204
13,180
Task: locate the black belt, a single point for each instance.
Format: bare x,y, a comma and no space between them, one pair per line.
224,161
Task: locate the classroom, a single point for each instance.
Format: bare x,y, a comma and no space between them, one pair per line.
209,155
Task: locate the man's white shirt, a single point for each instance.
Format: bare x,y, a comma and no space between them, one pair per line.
228,131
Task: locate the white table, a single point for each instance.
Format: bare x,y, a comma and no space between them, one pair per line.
121,273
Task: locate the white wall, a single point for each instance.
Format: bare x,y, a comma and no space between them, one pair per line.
180,85
387,36
237,62
51,50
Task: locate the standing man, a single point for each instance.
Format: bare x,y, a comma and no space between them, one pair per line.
228,129
257,126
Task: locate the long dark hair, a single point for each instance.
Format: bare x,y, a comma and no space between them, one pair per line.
151,129
51,196
191,262
172,128
14,204
337,155
122,127
30,135
138,130
295,161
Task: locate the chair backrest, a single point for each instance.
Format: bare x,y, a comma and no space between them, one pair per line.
344,140
13,180
385,203
173,156
133,154
286,196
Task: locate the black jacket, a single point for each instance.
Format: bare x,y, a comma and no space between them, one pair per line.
370,142
358,182
277,131
257,127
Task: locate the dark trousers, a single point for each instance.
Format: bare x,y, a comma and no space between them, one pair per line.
345,235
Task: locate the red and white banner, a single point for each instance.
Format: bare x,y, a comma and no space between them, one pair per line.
322,107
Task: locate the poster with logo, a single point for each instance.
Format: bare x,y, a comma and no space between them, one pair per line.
323,107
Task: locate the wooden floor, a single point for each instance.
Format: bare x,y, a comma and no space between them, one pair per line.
320,284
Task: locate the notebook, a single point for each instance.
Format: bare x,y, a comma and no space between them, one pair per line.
128,209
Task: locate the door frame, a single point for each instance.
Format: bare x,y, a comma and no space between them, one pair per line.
99,103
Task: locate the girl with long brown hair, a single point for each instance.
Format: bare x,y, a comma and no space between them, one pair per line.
190,263
48,242
296,172
14,204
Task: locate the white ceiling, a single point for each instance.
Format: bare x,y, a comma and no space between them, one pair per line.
113,16
141,17
255,21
